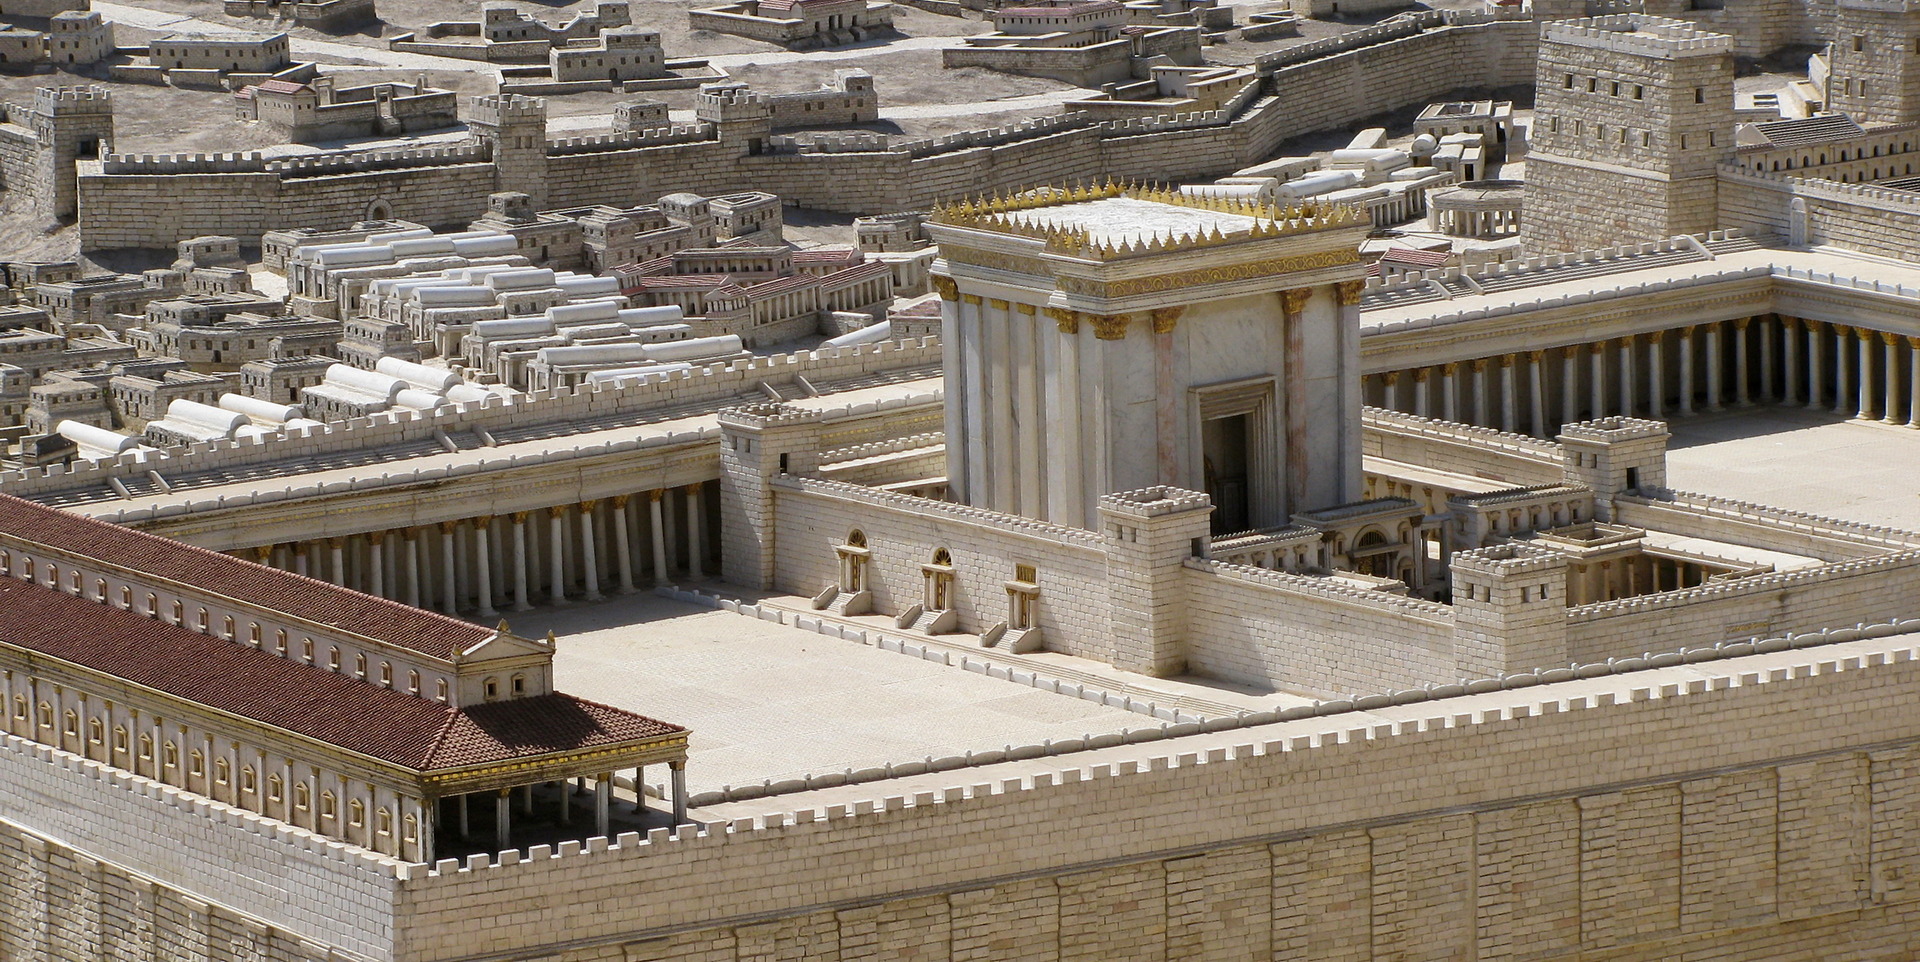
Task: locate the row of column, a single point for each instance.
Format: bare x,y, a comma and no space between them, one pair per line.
1855,371
491,563
454,816
1632,576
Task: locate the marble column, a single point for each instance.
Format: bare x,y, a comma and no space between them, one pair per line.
622,546
1843,396
1449,391
589,553
1790,360
1479,368
521,601
1537,382
1509,400
659,532
1627,385
1815,371
483,566
413,566
337,556
1390,390
449,572
1656,375
557,565
679,770
1569,385
1293,305
1716,370
602,796
377,569
1742,394
503,819
1686,371
1891,350
1866,398
1766,358
1913,379
1597,371
1422,395
697,545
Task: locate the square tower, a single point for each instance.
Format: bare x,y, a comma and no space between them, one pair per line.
1108,339
1874,61
1632,114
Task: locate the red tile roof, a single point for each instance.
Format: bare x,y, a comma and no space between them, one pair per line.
1416,257
434,635
336,709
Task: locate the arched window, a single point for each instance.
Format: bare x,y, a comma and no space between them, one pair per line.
248,781
179,613
274,788
857,538
119,740
253,634
6,562
333,659
384,825
326,805
360,666
73,582
440,689
26,569
222,771
226,626
126,598
386,673
302,796
96,731
170,754
413,682
280,641
196,764
146,748
306,650
72,720
356,813
100,590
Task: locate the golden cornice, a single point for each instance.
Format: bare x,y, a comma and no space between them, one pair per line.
973,299
949,291
1207,275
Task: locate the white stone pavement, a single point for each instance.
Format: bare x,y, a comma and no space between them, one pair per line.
767,701
1812,461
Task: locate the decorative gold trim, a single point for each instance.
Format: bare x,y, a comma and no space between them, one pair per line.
1420,375
949,291
1164,318
1350,292
997,304
1294,300
973,299
1208,275
1027,309
1889,338
1110,327
1069,320
1478,364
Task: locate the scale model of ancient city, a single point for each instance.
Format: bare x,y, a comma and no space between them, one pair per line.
959,480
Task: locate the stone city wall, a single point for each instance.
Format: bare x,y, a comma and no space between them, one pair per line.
1860,217
1700,820
1759,525
1485,453
147,887
153,202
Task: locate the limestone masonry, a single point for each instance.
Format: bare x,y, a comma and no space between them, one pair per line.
1440,489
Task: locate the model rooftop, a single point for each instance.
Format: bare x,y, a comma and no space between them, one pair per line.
1112,221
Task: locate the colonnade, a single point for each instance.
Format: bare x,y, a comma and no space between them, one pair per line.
1634,575
491,815
1852,371
1470,222
487,564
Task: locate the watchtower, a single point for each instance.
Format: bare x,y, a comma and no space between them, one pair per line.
69,124
1615,454
1632,116
1874,61
1509,610
740,117
516,128
1148,536
758,442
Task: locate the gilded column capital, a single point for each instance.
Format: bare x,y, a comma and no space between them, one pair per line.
1537,357
1864,334
1790,323
1841,330
1027,309
483,522
1656,337
448,527
1597,347
1569,351
586,507
1420,375
656,494
620,500
1813,327
949,291
1164,318
1109,327
1740,323
1889,338
1450,368
1628,340
1506,360
973,299
376,536
1350,292
263,552
1069,320
336,542
557,512
1914,342
520,517
1391,377
997,304
1294,300
1478,364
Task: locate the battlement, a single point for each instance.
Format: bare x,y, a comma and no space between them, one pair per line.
1154,502
1639,34
90,99
1506,561
507,110
765,414
720,103
655,137
1614,429
1880,6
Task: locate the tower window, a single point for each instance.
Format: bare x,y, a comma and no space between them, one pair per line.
1699,95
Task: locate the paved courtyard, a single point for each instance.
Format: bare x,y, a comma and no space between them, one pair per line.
1805,460
768,701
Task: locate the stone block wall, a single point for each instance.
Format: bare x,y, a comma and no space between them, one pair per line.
1661,823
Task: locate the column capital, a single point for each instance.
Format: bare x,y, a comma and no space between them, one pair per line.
1420,375
1655,337
997,304
1864,334
1569,351
1841,330
1889,338
1536,356
1914,342
482,522
949,291
1450,368
448,527
1740,323
1790,323
1628,340
1026,309
1478,364
973,299
1164,318
1597,347
656,494
557,511
1109,327
1391,377
263,552
376,536
587,506
1506,360
520,517
693,488
620,500
1813,326
1350,292
1066,318
1294,300
336,542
